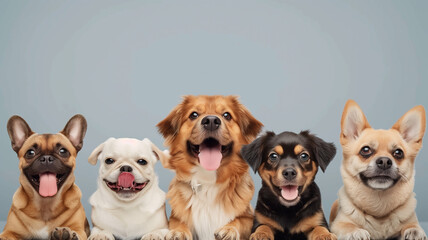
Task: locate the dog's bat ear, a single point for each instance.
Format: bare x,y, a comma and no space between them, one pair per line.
75,130
249,125
412,125
324,152
253,152
170,126
162,156
18,131
353,122
93,158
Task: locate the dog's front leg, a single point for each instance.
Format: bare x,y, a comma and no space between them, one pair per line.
7,235
239,228
413,231
99,234
178,230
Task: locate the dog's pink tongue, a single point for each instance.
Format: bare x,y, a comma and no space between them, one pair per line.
47,187
125,180
210,157
289,192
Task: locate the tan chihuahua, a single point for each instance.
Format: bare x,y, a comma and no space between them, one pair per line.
377,199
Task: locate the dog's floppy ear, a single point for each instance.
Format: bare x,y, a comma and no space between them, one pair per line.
93,158
249,125
170,126
162,156
412,125
324,152
18,131
253,152
75,130
353,122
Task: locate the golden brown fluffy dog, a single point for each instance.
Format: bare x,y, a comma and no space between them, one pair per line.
377,199
47,204
211,192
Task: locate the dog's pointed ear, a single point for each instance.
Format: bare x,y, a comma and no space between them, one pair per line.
75,130
324,152
93,158
170,126
18,131
249,125
162,156
253,152
412,125
353,122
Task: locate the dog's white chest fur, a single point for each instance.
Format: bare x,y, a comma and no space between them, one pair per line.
207,213
42,233
131,220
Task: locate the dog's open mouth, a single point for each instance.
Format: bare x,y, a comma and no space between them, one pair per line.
289,194
47,184
379,182
210,152
126,184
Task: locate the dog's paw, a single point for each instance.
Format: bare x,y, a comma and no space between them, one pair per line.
153,236
177,235
359,234
227,233
325,236
414,234
64,233
102,235
260,236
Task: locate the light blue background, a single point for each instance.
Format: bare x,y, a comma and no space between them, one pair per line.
125,64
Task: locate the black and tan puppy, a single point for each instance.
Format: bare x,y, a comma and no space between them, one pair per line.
289,202
47,204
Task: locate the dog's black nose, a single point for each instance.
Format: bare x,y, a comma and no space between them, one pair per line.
126,168
289,174
211,123
384,163
46,159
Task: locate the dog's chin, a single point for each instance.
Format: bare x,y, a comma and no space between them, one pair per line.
378,182
210,152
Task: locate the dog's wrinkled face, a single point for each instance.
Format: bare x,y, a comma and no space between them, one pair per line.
288,162
47,160
209,128
127,166
381,158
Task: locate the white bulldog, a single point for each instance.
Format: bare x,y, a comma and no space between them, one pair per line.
128,203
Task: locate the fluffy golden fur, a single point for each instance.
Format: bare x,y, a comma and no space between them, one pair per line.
377,199
209,204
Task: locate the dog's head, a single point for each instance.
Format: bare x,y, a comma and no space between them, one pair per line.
380,158
208,129
46,161
127,166
288,162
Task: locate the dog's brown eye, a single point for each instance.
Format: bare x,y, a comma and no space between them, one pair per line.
142,162
63,151
30,153
304,157
398,154
109,161
227,116
366,151
194,115
273,157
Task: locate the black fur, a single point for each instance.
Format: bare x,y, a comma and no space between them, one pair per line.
268,203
